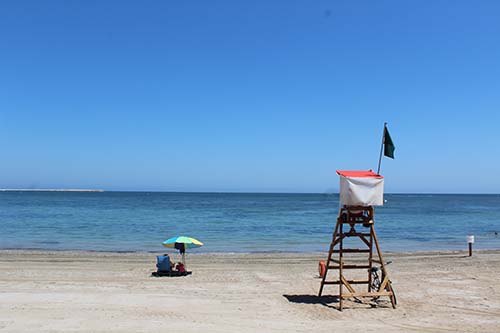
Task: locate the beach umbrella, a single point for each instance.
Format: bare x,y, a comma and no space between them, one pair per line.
182,243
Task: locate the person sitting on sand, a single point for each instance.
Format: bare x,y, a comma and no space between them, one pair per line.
180,267
164,263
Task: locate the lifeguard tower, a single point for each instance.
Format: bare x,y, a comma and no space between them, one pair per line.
359,192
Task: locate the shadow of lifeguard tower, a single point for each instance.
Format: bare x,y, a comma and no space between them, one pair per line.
359,192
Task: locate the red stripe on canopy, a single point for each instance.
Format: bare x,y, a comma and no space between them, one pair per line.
359,173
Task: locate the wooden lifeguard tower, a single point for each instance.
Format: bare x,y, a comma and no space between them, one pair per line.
359,192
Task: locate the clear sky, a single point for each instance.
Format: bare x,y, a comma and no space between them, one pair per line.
269,96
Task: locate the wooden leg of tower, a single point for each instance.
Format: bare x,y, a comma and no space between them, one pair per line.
379,253
341,266
329,259
370,260
393,297
387,285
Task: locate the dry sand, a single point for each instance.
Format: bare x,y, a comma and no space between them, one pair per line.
92,292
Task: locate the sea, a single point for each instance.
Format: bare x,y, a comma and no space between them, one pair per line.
237,222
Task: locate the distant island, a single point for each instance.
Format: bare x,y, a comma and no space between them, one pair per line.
48,190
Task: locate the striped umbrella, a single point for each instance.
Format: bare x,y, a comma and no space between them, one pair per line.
181,243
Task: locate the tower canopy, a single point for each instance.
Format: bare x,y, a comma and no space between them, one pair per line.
361,188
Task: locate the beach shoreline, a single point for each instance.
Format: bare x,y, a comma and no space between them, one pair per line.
272,292
201,252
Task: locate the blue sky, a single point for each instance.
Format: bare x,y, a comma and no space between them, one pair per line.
269,96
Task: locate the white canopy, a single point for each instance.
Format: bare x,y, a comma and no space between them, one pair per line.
361,188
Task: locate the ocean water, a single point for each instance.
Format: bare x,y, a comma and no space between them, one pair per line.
236,222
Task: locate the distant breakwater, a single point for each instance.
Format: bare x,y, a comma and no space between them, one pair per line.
49,190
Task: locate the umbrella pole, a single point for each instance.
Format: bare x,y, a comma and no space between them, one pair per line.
184,261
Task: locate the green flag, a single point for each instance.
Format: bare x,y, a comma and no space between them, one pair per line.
388,144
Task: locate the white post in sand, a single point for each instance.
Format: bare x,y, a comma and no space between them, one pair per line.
470,240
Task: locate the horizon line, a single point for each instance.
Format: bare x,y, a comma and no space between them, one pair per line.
225,192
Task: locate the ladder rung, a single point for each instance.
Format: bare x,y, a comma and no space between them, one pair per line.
352,251
349,281
367,294
350,267
358,222
363,294
356,234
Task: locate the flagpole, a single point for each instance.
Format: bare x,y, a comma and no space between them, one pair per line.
381,148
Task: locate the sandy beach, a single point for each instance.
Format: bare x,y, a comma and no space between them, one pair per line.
97,292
